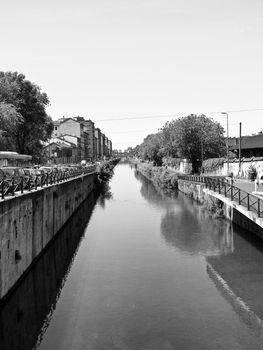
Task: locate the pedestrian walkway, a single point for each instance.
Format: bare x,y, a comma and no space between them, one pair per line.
247,185
237,194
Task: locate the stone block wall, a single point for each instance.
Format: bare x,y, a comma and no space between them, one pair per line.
192,189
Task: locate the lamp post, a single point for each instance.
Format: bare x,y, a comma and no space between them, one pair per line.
202,156
239,147
227,137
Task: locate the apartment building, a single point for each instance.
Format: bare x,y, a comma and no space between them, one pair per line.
73,131
98,144
60,151
90,142
89,128
110,148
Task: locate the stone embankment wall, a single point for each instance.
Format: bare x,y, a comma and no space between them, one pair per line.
29,221
222,207
193,190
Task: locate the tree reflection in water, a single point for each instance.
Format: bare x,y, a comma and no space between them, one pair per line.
195,232
105,195
154,195
234,257
185,225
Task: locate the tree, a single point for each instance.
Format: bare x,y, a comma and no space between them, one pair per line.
10,121
152,148
196,138
30,103
169,141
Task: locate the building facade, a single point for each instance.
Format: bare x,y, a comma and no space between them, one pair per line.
98,145
91,144
89,128
60,151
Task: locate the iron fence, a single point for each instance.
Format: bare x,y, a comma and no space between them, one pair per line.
228,190
28,183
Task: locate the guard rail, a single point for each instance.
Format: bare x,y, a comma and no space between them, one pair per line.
228,190
28,183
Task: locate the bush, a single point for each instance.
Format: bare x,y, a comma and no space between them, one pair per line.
252,172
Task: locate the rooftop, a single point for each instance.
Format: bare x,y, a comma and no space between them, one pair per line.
248,142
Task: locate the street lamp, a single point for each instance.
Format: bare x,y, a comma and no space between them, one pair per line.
227,137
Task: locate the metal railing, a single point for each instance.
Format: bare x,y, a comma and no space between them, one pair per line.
228,190
28,183
192,178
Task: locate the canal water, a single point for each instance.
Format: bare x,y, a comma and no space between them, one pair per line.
139,270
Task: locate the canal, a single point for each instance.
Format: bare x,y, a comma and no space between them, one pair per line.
135,269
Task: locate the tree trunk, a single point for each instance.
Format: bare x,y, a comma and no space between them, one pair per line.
196,166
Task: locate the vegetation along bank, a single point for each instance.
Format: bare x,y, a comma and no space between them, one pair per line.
162,177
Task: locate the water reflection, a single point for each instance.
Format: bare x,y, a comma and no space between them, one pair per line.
105,195
239,278
201,237
136,285
27,312
204,235
154,195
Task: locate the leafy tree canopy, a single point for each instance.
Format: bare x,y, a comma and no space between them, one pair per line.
193,137
10,120
25,105
152,148
196,138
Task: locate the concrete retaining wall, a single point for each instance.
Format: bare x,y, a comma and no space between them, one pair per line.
29,221
30,303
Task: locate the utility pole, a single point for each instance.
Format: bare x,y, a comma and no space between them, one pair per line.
239,146
227,141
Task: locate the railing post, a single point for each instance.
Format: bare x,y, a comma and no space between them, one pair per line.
258,207
22,184
248,204
29,187
3,189
231,192
13,186
239,197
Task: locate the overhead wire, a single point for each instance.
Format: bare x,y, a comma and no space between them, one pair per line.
179,115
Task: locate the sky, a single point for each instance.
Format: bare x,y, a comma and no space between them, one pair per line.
121,59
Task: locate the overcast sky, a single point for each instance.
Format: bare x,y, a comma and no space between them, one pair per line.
107,59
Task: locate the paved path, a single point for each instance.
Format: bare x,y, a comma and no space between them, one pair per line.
247,185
